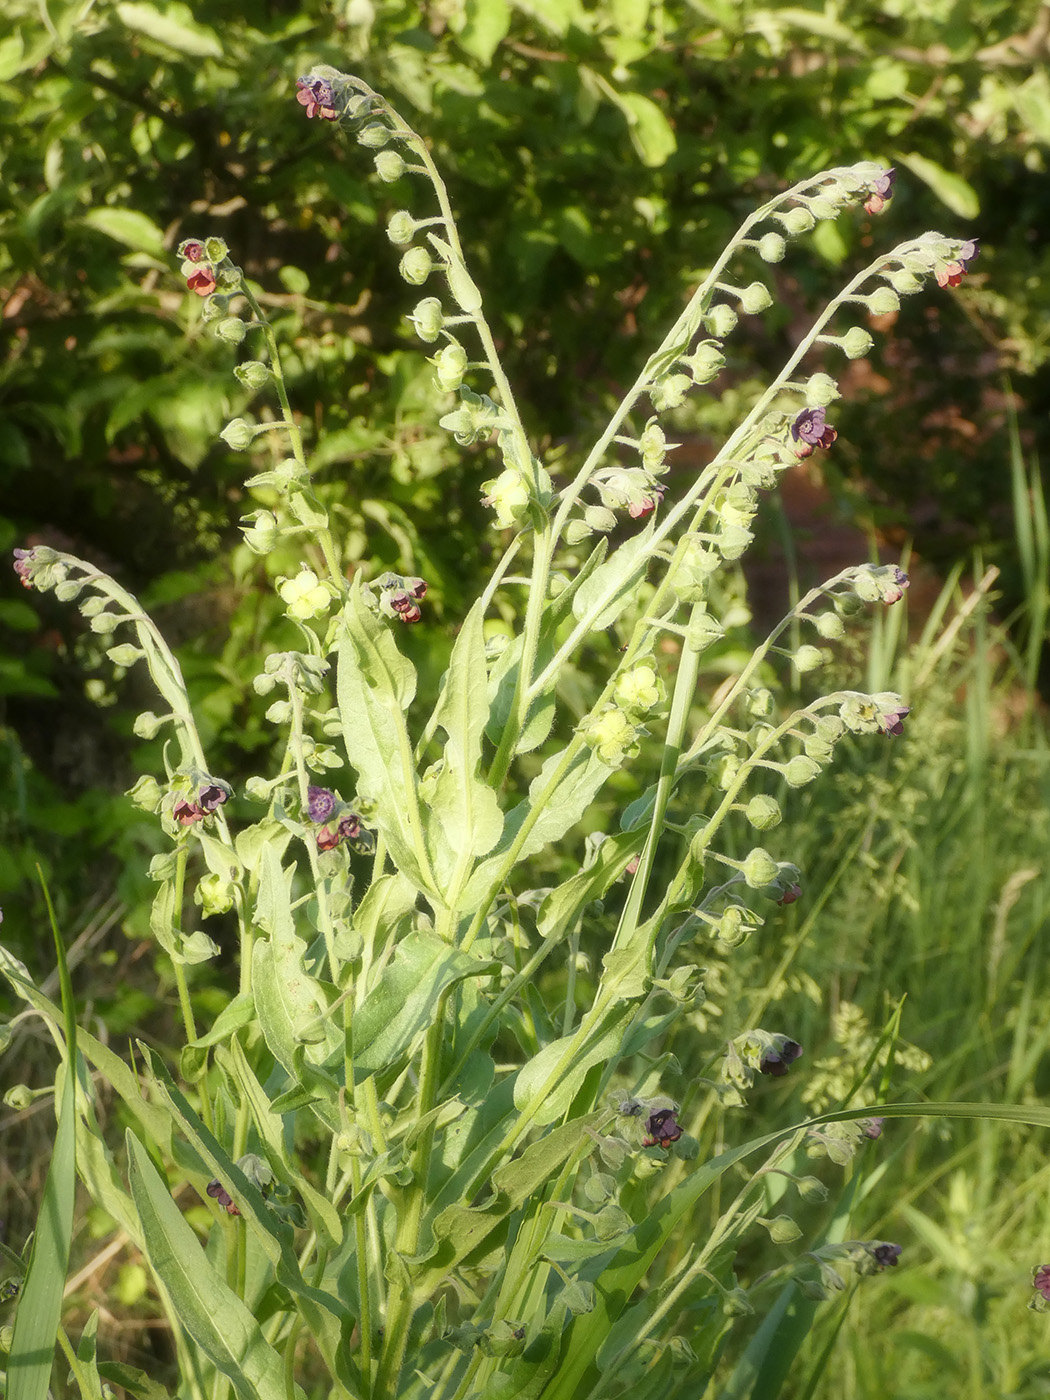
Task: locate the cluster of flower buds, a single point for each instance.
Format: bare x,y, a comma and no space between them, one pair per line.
206,266
218,1192
400,596
336,821
840,1141
42,568
881,192
951,272
883,583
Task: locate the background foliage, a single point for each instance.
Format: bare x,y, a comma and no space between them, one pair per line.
598,156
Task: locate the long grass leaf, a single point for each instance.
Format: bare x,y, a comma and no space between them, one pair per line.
40,1303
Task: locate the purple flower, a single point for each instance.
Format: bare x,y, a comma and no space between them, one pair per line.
881,192
349,828
320,804
213,795
24,566
892,721
810,429
886,1255
186,813
662,1128
792,893
192,251
893,591
777,1061
317,97
872,1127
1041,1281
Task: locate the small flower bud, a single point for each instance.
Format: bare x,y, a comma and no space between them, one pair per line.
822,208
883,301
670,391
508,494
19,1097
763,812
807,658
706,362
416,266
280,712
374,136
428,318
125,655
253,374
801,770
232,330
760,704
576,531
811,1189
856,343
146,794
782,1229
237,435
829,625
599,518
390,166
450,365
401,227
821,390
105,623
797,220
721,320
147,726
261,531
759,869
755,298
771,247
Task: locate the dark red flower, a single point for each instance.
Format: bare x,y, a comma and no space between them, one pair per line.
811,430
950,274
662,1128
647,504
186,813
202,282
403,606
349,828
792,893
328,838
317,97
881,192
886,1255
193,251
218,1192
777,1062
1041,1281
212,796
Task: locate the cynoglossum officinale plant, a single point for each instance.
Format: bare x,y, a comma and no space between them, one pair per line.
438,1127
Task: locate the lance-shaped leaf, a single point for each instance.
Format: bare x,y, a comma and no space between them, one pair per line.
546,1091
211,1312
606,593
400,1008
375,684
465,819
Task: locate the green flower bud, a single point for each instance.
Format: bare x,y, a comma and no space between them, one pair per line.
763,812
705,362
261,531
759,869
125,655
576,531
856,343
374,136
19,1097
818,749
214,895
801,770
253,374
428,318
760,703
782,1229
232,330
903,281
146,794
600,518
280,712
735,1303
733,928
670,391
721,320
450,364
390,166
822,208
733,541
508,494
771,247
829,625
821,390
830,728
215,250
755,298
237,435
105,623
148,725
883,301
401,228
416,266
797,220
258,789
726,770
811,1189
807,658
702,631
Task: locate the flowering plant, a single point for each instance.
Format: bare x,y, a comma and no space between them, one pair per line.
443,1144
